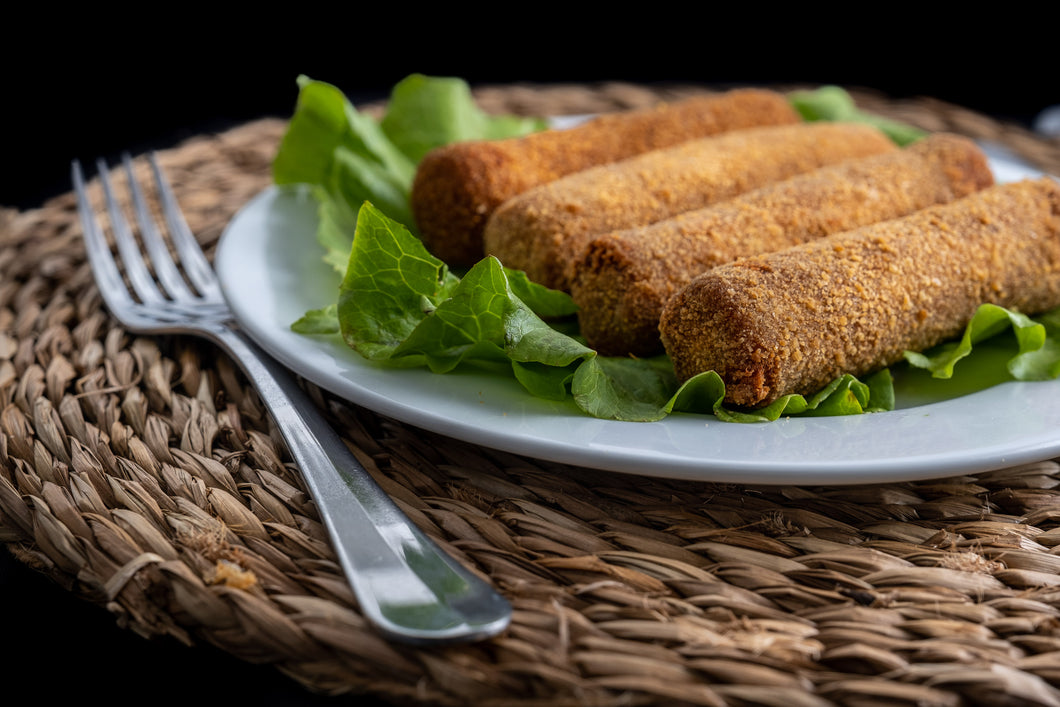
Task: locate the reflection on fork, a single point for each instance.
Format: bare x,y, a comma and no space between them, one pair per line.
404,583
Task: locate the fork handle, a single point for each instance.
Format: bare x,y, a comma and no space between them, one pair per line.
407,586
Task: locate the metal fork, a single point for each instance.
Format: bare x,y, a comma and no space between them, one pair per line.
405,584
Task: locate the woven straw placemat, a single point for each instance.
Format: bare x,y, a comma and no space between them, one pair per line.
142,474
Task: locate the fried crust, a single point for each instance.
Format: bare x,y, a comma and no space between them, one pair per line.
625,278
793,320
457,186
545,230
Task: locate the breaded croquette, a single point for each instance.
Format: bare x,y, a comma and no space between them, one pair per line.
793,320
458,186
626,277
545,230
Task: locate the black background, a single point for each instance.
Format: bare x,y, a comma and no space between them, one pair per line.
78,93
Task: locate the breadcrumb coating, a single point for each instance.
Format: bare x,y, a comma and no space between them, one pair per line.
793,320
545,230
458,186
626,277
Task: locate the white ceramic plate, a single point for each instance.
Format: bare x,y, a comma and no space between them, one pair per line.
272,273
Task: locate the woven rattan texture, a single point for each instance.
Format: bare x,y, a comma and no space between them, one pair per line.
143,475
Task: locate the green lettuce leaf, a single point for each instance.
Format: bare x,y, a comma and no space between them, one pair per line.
322,321
846,395
349,157
391,284
398,301
426,112
635,390
835,104
329,144
1037,356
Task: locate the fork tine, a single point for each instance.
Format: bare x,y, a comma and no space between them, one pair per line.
196,266
151,236
110,283
135,268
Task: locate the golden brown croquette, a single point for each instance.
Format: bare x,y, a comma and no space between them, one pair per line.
626,277
545,230
793,320
458,186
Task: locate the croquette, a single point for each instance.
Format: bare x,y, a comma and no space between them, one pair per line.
626,277
545,230
457,186
793,320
